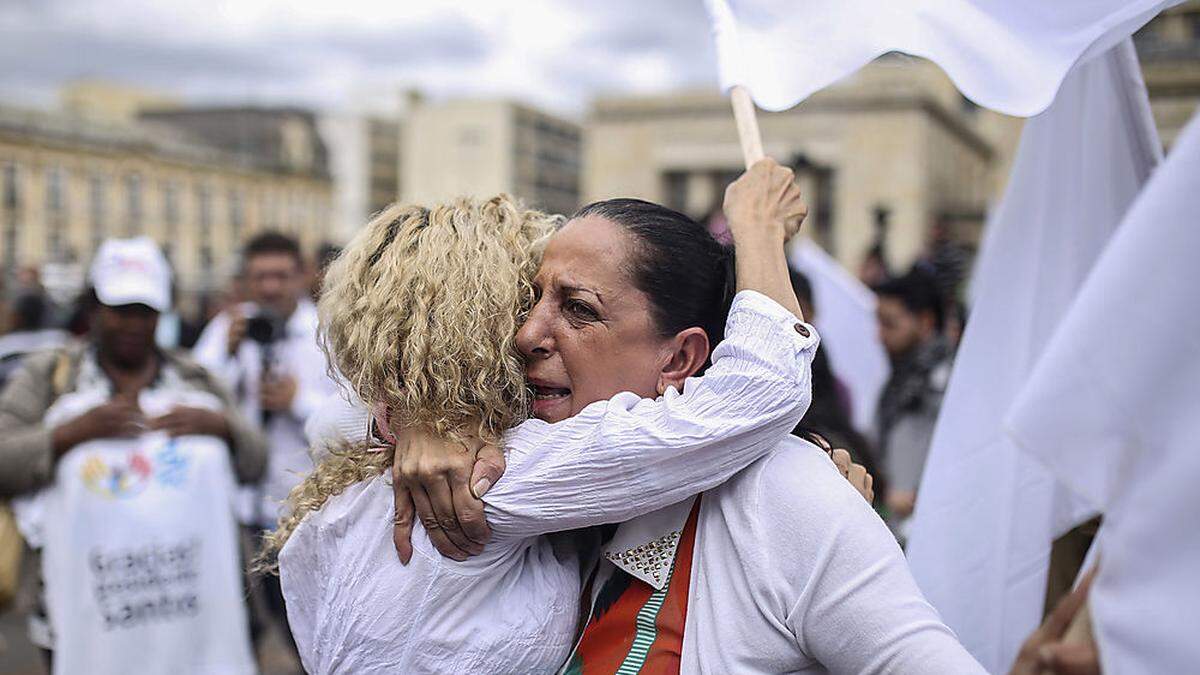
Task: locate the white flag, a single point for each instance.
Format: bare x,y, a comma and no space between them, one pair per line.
1113,409
845,310
1007,55
986,513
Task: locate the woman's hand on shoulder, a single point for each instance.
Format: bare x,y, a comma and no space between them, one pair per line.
764,202
440,482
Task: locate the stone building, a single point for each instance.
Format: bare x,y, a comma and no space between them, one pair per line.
888,151
1169,49
482,147
67,181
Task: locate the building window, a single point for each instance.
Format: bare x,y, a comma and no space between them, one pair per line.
55,210
97,207
237,216
675,187
133,205
204,228
12,204
170,216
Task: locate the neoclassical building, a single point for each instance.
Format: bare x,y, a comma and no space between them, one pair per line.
197,181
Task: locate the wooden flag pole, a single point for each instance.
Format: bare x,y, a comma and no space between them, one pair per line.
747,125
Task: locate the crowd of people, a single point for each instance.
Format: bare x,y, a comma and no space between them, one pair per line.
124,384
541,444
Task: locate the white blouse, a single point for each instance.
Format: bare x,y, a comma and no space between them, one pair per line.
354,608
792,572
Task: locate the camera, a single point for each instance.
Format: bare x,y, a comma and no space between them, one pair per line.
264,328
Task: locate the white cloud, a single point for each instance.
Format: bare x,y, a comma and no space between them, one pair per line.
327,53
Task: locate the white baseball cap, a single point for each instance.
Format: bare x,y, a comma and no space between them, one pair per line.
132,271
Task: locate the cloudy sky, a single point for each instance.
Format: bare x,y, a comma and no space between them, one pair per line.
339,53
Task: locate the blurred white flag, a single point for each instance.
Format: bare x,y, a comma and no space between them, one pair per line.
1007,55
845,316
1113,409
986,514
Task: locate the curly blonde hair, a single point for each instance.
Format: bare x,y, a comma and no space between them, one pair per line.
419,313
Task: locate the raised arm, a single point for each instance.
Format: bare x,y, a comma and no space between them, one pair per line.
627,456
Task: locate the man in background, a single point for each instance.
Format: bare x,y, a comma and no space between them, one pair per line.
265,350
910,314
29,330
132,412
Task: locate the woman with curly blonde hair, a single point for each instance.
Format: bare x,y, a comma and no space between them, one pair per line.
626,304
446,362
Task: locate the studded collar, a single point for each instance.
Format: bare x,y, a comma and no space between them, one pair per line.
645,546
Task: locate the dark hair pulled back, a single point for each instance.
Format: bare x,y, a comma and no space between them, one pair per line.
687,275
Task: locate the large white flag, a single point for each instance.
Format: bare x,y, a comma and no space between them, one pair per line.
1113,410
986,513
845,310
1007,55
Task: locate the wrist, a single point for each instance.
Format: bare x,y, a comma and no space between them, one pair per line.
767,234
63,438
219,426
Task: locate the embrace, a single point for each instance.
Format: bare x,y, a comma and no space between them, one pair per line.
608,402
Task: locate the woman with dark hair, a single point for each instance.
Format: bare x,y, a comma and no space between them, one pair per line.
777,567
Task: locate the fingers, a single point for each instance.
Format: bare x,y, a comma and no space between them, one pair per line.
858,478
402,522
433,528
489,467
468,511
841,459
441,497
1056,624
1069,659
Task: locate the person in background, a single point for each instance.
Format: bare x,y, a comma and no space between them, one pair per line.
910,314
28,331
325,255
175,330
118,368
828,415
265,350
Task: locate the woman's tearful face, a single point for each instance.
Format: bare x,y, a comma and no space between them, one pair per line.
590,334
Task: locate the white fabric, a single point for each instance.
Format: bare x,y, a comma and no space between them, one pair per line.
354,609
794,573
298,355
986,514
341,419
1007,55
1115,415
845,315
140,549
130,271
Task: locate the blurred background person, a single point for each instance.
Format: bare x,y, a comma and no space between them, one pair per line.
30,329
325,255
265,350
828,414
127,407
910,314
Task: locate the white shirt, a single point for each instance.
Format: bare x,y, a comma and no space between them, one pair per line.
792,572
296,354
139,543
354,609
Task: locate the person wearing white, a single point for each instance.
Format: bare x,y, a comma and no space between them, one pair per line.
809,586
513,608
135,516
294,383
